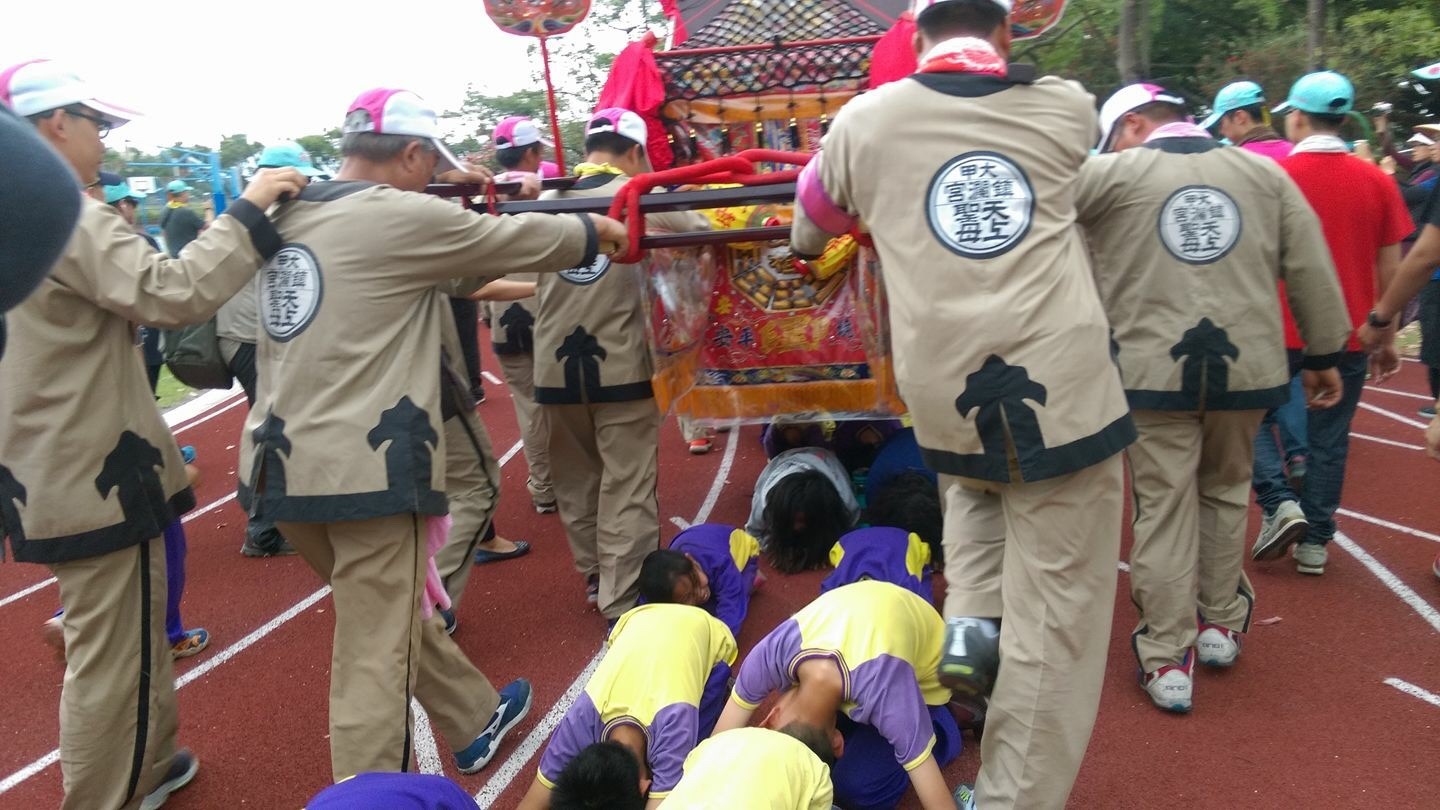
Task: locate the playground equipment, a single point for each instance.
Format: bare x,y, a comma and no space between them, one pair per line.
203,166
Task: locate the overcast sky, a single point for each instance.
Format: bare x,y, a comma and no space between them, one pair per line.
267,68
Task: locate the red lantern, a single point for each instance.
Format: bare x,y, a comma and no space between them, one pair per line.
1031,18
540,19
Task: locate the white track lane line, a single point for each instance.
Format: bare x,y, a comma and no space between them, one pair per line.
514,764
1387,577
491,378
1392,443
680,523
1404,420
427,753
1399,393
216,660
200,406
211,415
1414,691
1387,524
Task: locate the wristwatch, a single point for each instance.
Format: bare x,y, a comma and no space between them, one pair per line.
1374,320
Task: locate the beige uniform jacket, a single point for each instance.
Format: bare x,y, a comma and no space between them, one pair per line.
348,423
590,334
87,465
1189,239
512,323
967,184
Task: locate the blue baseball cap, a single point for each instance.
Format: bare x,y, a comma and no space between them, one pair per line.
1323,93
178,187
1232,97
288,154
119,191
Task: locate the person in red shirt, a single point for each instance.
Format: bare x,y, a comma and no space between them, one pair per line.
1364,219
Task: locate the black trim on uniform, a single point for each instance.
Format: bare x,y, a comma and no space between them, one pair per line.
592,242
974,85
1321,362
97,542
1036,464
333,190
1183,146
1261,399
262,231
353,506
142,715
609,393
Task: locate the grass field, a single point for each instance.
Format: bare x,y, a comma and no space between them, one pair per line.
170,391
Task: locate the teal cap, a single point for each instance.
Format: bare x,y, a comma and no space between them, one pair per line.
288,154
120,191
1323,93
1231,97
178,187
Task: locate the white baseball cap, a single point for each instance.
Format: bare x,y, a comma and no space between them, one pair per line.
918,6
1421,138
620,121
517,131
41,85
399,112
1128,98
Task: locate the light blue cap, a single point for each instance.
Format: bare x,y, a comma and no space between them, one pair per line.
120,191
1232,97
178,187
1323,93
288,154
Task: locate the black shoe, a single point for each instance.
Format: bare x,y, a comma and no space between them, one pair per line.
182,770
450,621
269,544
478,394
971,656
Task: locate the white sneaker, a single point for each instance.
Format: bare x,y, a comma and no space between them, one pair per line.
1279,531
1310,558
1171,687
1217,646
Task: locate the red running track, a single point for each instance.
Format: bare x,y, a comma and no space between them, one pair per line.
1306,719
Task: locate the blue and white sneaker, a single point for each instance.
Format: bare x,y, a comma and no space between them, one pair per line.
182,769
965,797
450,621
187,453
1172,687
514,705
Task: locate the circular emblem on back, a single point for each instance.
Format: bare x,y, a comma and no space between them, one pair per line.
1199,224
290,291
980,205
588,274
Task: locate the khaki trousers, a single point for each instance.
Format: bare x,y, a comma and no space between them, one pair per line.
1190,473
472,483
603,459
519,372
1042,557
115,746
383,652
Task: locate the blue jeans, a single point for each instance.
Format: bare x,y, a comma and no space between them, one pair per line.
1292,420
1328,434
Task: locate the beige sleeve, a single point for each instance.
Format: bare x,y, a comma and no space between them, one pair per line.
1094,190
677,222
1311,282
437,240
114,267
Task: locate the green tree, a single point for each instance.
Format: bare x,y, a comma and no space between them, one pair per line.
236,149
321,147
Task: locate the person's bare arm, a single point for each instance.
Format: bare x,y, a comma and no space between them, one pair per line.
930,786
734,716
1406,282
537,797
504,290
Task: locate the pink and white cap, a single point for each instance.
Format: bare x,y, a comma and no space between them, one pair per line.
917,6
399,112
620,121
1126,99
41,85
517,131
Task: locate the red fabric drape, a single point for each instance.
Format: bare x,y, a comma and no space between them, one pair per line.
672,10
894,55
635,84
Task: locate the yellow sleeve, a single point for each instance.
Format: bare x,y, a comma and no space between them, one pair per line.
920,760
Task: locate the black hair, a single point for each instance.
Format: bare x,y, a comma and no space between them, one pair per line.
815,738
1255,111
510,157
1325,122
1162,112
662,569
805,516
961,18
611,143
603,776
911,502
